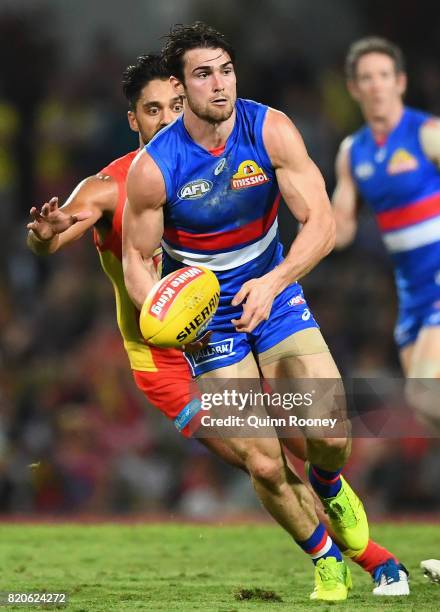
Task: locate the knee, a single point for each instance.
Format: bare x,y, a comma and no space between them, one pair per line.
264,468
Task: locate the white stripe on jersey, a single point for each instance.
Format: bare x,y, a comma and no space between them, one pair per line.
413,237
228,260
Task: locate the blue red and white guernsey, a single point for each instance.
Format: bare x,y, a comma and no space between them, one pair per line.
221,212
402,186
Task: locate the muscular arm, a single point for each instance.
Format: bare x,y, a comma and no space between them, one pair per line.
142,226
303,190
430,140
53,228
344,199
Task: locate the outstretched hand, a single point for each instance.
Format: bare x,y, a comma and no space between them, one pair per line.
52,220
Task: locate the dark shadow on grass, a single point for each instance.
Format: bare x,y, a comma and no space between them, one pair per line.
256,595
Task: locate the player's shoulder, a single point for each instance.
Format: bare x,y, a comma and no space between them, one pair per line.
346,145
417,116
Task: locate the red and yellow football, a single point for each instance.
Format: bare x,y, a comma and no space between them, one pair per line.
179,307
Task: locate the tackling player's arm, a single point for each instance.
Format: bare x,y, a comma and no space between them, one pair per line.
345,198
142,226
430,140
303,190
54,227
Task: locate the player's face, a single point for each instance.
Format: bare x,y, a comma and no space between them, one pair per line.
210,85
377,86
158,105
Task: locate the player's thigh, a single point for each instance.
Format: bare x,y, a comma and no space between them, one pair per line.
245,368
303,365
424,359
170,388
301,355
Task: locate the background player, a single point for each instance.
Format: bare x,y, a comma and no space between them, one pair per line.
393,164
221,145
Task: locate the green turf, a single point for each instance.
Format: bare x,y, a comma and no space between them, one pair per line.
181,567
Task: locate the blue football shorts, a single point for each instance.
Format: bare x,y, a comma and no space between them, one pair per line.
411,320
290,314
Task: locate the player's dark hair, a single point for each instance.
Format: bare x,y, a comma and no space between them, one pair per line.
372,44
183,38
137,76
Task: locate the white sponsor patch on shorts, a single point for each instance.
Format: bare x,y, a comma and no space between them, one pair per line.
213,352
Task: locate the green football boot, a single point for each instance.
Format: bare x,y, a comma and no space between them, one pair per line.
332,580
347,517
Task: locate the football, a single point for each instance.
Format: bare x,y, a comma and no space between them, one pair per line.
179,307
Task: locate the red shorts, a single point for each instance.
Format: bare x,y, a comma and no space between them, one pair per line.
171,388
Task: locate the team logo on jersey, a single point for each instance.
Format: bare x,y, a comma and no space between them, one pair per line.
249,174
364,171
402,161
220,166
195,189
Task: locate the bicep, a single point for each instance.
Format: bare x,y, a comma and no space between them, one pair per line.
430,140
302,189
142,228
301,183
143,213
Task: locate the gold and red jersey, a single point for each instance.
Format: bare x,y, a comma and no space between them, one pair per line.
140,355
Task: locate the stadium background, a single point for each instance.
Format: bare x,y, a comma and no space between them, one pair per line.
67,400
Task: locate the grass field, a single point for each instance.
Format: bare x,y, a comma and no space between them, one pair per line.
181,567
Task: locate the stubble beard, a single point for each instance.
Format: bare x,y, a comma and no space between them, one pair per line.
210,114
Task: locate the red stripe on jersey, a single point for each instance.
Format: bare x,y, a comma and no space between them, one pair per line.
409,213
222,240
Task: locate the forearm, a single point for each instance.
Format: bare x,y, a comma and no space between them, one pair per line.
42,247
345,231
140,275
314,241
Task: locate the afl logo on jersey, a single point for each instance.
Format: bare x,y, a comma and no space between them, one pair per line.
364,171
249,174
195,189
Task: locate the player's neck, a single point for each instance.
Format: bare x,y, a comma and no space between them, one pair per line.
208,135
382,126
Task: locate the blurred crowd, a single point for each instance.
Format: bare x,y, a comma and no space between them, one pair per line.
75,434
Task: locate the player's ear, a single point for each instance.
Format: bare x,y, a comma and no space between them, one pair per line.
177,85
401,82
132,121
352,89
